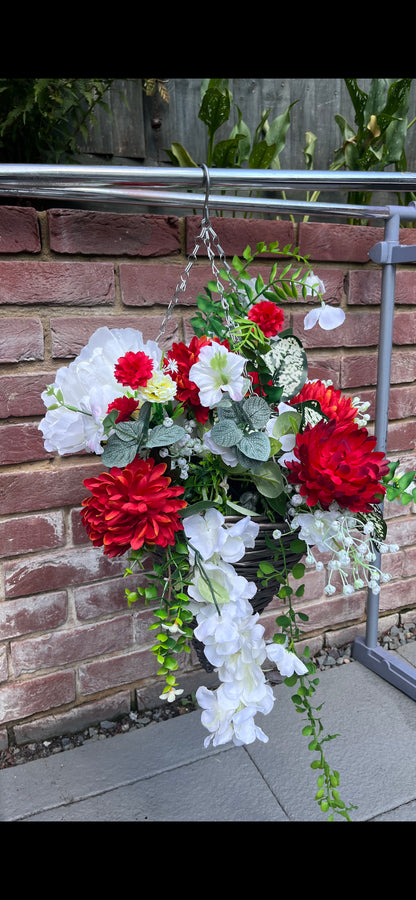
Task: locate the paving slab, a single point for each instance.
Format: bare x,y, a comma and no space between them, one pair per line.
163,772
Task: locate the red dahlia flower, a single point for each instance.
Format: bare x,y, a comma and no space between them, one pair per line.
332,402
125,406
183,357
337,462
134,369
267,316
131,507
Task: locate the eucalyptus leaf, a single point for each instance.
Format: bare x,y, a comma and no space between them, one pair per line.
257,411
118,452
163,436
269,479
226,433
256,446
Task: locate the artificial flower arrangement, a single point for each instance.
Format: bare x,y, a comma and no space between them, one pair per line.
201,445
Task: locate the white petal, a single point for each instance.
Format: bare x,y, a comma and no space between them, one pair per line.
331,317
311,319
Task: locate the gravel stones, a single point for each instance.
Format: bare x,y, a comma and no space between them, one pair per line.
326,658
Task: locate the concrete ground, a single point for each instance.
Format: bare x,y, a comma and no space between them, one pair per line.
162,773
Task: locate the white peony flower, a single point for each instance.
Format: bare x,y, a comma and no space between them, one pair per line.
88,386
218,372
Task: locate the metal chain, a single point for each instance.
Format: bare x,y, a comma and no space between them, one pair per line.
209,238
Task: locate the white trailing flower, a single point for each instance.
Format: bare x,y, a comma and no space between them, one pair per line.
285,661
209,535
328,317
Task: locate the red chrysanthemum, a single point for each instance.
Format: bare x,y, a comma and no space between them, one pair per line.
132,507
267,316
134,369
338,462
125,406
332,402
183,357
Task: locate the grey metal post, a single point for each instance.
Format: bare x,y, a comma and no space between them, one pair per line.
391,237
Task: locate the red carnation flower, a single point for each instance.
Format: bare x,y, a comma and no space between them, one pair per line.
183,357
337,462
332,402
134,369
267,316
131,507
125,405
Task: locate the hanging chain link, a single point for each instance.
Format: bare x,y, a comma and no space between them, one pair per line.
209,238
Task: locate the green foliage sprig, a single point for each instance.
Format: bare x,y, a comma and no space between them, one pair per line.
327,795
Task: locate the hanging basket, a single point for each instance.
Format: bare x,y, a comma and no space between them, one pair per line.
248,567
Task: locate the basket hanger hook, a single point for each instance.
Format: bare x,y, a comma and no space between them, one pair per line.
207,189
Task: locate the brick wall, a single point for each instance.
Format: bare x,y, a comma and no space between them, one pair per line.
71,652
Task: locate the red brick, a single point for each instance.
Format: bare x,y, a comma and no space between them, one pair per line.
101,675
22,442
361,370
78,532
60,648
93,600
19,229
364,287
338,243
402,402
20,395
21,339
121,234
147,285
360,329
4,670
20,700
69,335
401,436
235,235
39,489
68,567
61,284
74,720
398,594
325,368
28,534
23,616
402,532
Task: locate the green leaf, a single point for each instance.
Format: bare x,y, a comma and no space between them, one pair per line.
266,567
226,433
255,446
180,156
262,155
257,411
215,109
163,436
268,479
118,452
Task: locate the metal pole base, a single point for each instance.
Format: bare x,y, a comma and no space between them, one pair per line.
383,663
